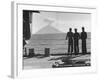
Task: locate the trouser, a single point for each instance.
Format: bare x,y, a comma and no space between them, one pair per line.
70,47
84,50
76,47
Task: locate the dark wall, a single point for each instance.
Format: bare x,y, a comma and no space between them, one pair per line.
27,19
26,25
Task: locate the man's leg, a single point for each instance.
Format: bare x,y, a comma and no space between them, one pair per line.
71,47
85,50
77,47
74,48
68,48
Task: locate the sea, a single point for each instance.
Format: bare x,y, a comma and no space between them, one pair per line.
57,43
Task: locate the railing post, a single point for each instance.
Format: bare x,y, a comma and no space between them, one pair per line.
47,52
31,52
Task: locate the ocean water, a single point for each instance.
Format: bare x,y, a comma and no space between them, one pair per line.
56,42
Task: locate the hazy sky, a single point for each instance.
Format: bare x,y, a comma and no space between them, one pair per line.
61,21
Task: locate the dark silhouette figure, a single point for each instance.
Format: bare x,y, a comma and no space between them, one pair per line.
83,38
70,41
76,42
26,25
27,19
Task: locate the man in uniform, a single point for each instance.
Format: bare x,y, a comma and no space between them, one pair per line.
76,42
83,38
70,41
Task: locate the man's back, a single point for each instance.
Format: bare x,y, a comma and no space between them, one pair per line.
69,35
83,35
76,36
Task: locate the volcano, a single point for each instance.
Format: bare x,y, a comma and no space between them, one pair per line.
48,30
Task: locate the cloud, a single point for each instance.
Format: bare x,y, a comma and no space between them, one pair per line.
49,20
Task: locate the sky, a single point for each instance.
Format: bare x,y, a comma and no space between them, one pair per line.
61,21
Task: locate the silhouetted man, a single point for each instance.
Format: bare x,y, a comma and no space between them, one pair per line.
76,42
70,41
83,38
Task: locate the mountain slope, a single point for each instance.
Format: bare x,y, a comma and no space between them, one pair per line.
48,30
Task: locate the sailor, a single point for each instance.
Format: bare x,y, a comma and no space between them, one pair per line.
70,41
83,38
76,42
